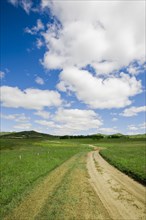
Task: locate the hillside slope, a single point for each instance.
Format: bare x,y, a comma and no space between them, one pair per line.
27,134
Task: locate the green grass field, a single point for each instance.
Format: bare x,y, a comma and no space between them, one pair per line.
129,156
26,162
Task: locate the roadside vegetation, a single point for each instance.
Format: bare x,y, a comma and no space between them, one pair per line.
129,156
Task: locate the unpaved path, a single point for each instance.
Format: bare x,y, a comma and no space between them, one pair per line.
122,197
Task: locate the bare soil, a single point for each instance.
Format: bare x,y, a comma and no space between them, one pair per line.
122,197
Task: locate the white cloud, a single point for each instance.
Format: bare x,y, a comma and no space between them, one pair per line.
136,68
46,123
132,128
2,74
13,2
132,70
29,98
25,4
112,92
106,35
114,119
35,29
78,117
45,3
108,130
39,80
25,126
39,43
133,111
72,121
104,67
16,117
43,114
138,127
93,31
143,125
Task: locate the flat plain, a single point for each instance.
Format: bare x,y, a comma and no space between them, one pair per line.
51,179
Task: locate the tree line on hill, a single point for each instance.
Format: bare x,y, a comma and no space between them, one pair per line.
94,136
34,134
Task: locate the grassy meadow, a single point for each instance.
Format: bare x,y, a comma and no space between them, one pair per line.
128,155
26,162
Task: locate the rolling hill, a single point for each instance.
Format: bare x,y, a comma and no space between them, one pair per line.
27,134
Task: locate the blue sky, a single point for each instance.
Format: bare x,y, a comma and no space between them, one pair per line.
73,67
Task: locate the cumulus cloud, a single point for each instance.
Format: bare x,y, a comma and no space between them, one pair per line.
93,31
72,121
43,114
132,70
108,130
29,98
16,117
138,127
39,80
114,119
25,126
104,67
133,111
46,123
39,43
23,122
107,35
132,128
25,4
112,92
35,29
13,2
136,67
2,74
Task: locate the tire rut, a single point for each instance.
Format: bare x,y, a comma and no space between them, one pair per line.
33,203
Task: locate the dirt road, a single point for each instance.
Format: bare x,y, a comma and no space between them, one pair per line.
64,194
122,197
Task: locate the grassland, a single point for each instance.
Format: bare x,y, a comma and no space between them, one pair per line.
129,156
65,193
26,162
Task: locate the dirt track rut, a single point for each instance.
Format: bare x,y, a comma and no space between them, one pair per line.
123,198
33,203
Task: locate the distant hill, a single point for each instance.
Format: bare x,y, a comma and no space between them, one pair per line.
4,133
137,136
119,134
27,134
35,134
